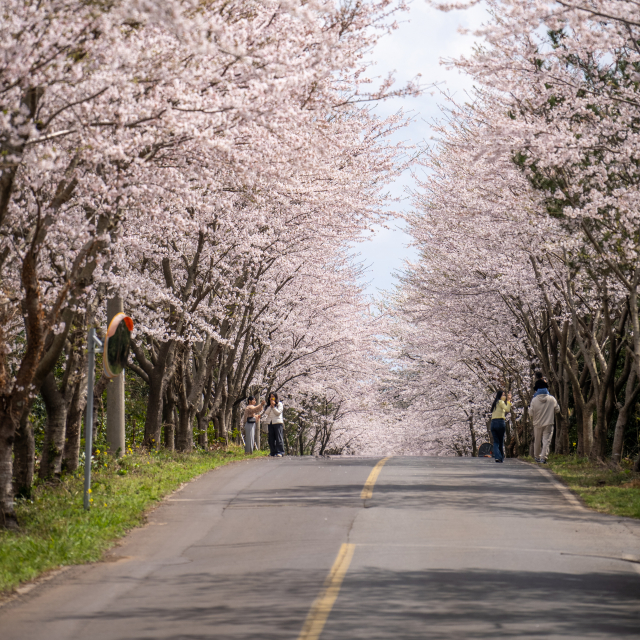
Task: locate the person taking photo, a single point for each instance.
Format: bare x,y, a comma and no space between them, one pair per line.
275,424
250,413
500,407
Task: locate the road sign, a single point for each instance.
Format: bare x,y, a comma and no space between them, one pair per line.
117,345
115,354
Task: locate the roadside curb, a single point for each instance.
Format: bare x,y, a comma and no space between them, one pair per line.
26,587
572,498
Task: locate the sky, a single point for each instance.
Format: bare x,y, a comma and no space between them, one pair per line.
425,37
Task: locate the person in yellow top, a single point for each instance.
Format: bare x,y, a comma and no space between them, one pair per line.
501,406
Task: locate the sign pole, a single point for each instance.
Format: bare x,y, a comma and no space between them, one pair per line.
92,340
115,394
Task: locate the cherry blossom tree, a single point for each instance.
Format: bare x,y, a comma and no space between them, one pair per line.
206,163
527,221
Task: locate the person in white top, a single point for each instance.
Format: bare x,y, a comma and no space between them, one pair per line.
273,417
543,411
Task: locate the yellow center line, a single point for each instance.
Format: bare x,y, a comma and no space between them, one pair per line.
321,608
367,490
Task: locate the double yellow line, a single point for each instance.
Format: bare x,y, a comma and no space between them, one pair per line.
321,608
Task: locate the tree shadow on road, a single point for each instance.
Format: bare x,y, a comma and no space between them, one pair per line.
382,604
471,484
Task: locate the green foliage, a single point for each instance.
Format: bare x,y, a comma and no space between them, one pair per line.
136,397
56,531
607,488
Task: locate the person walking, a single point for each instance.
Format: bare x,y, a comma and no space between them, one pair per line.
501,406
250,413
543,409
273,418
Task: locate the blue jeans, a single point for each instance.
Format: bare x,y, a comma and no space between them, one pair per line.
498,429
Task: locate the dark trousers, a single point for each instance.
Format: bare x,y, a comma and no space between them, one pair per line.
498,429
276,439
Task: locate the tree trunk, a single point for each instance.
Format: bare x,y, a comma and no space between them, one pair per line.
235,416
184,435
203,439
562,435
599,444
474,445
14,396
618,434
153,421
8,428
54,435
71,453
159,375
587,431
220,419
24,452
169,423
630,394
580,446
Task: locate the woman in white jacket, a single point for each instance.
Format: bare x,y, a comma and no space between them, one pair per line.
273,418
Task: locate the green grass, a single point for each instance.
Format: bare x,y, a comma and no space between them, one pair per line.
55,529
604,487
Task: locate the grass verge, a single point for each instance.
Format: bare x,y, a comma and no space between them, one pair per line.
607,488
56,531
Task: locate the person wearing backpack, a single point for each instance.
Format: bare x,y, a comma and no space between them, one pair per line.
543,409
272,417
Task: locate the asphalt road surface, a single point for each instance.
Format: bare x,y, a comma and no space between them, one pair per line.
289,549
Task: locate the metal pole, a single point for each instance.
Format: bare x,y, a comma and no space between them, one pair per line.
88,420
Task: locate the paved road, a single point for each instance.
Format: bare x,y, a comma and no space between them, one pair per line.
445,548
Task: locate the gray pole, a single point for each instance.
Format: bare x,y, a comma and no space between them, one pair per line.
88,420
115,394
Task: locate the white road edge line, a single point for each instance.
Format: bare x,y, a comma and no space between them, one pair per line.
561,488
249,500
